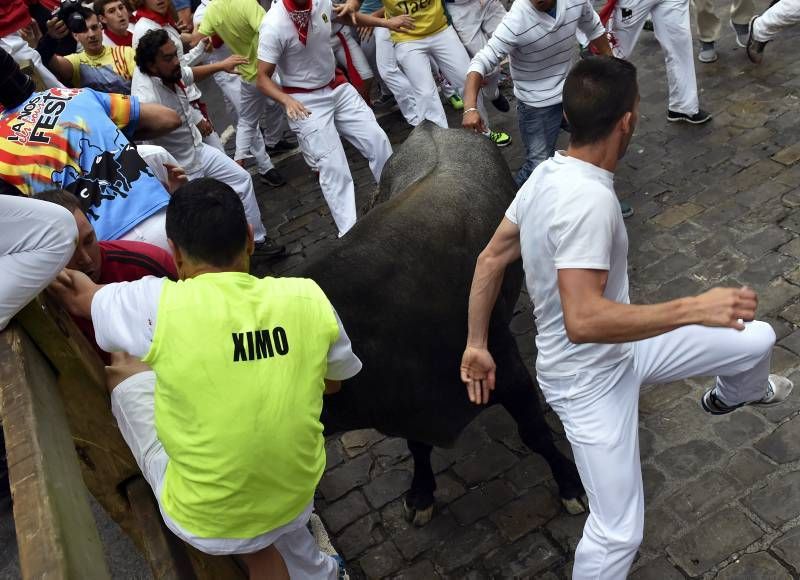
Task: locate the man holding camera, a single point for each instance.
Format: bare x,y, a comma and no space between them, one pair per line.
15,20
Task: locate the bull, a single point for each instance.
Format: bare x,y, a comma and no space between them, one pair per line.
400,281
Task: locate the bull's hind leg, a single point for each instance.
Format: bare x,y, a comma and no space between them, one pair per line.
418,503
522,402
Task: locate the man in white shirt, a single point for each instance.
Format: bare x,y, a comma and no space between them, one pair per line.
538,36
160,78
595,349
116,20
295,41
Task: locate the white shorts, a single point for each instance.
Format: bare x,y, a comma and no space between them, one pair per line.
132,403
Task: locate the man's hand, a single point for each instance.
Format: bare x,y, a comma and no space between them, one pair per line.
295,109
478,374
205,127
472,120
176,176
348,10
31,34
727,307
57,29
75,291
364,33
229,64
402,23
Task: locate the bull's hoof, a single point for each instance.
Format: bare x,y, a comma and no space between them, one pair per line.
417,517
575,506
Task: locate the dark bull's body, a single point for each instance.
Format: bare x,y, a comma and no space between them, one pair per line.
400,281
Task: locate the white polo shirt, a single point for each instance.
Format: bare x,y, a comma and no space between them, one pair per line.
309,66
540,48
184,142
568,217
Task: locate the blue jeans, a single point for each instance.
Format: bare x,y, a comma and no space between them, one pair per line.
539,130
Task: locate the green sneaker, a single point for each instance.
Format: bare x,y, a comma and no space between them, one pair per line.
499,138
627,210
456,102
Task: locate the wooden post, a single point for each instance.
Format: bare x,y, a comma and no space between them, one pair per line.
51,506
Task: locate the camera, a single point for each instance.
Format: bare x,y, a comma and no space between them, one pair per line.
70,13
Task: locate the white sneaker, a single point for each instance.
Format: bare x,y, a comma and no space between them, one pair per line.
778,390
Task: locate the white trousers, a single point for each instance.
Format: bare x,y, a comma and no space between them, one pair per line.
600,414
21,51
782,15
450,56
133,406
395,79
672,30
334,112
709,24
37,239
219,166
252,105
360,61
475,22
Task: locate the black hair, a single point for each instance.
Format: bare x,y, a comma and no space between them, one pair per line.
205,219
100,6
17,86
599,90
61,197
149,45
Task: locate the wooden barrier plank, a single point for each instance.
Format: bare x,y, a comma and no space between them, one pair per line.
57,534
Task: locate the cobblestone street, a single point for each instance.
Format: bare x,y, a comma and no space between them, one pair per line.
715,204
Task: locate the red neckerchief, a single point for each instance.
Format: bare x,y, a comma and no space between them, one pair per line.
120,39
160,19
301,18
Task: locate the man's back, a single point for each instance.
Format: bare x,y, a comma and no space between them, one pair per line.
569,217
237,22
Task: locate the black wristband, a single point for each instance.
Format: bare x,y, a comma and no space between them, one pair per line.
47,48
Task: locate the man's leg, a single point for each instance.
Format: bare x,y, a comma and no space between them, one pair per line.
322,149
412,56
600,414
672,29
356,122
220,166
708,23
779,16
739,359
151,230
453,61
626,25
467,22
37,239
539,128
493,13
251,107
394,78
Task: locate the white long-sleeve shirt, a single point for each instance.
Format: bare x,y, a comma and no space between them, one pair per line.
540,48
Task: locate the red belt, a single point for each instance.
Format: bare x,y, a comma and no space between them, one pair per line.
338,79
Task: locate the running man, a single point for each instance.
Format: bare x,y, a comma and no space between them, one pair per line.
595,349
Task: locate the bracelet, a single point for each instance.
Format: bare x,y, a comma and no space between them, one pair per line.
470,110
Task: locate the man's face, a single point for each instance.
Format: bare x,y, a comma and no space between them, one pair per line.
92,39
167,66
87,254
543,5
159,6
115,17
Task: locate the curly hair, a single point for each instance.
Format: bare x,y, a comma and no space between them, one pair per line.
149,45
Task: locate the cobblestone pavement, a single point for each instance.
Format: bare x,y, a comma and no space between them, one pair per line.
715,204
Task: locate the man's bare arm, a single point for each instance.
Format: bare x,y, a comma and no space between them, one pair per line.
156,120
601,45
477,364
294,109
590,317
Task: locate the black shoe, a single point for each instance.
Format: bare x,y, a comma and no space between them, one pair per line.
268,249
383,101
282,146
698,118
501,103
273,178
755,48
626,209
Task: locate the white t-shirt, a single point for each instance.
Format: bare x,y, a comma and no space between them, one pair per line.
124,316
308,66
568,216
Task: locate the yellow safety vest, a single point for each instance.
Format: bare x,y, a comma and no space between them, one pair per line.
240,363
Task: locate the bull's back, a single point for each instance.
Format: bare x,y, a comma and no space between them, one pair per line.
400,282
